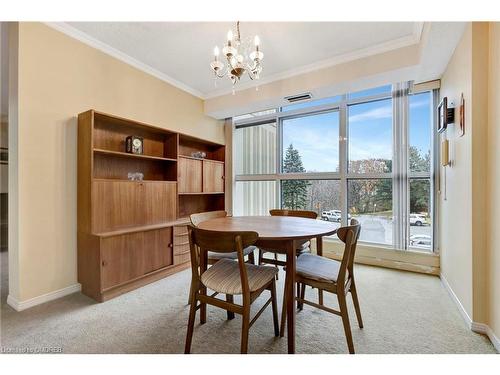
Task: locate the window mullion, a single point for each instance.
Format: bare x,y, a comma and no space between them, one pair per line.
400,165
343,160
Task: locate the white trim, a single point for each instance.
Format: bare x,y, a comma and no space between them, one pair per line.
391,45
23,305
486,330
405,41
473,326
455,299
97,44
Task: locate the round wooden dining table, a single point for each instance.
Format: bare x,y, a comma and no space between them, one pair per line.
283,234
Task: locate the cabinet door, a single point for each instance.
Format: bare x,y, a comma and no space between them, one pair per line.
158,201
121,259
189,179
115,204
158,251
213,176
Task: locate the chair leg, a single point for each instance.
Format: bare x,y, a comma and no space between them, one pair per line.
230,314
261,254
345,321
276,259
203,308
191,294
274,304
283,315
320,297
354,295
302,296
189,335
298,294
244,330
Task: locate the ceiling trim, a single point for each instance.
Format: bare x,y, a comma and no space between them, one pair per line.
106,48
71,31
406,41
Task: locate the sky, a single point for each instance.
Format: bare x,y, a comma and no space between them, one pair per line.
370,133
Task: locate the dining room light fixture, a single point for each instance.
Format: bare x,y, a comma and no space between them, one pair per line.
241,55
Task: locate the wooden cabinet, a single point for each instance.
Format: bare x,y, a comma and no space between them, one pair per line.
213,176
158,201
121,259
190,175
131,233
157,249
130,256
119,204
200,176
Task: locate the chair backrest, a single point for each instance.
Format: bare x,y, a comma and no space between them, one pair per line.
349,236
353,223
222,242
196,219
295,213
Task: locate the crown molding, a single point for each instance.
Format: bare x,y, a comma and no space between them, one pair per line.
402,42
406,41
103,47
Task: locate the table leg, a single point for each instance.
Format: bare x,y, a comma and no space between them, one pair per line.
319,251
290,295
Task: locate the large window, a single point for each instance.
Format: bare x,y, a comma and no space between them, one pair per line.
364,155
310,143
419,158
370,137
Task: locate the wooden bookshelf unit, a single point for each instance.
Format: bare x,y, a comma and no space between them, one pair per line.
131,233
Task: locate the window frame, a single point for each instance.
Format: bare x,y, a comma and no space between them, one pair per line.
400,165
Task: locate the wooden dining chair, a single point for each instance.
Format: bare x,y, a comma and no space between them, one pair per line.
333,276
228,277
214,257
304,247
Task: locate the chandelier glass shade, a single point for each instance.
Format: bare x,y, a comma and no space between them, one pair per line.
239,57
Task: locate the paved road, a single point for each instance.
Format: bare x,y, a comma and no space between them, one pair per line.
378,229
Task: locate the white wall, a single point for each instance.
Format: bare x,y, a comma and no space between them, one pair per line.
494,180
455,221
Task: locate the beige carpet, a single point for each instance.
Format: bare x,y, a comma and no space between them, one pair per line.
403,313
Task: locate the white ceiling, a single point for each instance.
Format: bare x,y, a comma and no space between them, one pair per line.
180,52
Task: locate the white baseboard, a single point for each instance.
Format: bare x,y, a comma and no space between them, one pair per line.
23,305
463,312
486,330
473,326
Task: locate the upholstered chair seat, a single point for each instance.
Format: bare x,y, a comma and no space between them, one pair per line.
224,277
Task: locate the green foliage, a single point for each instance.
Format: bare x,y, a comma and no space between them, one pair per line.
419,189
367,196
294,192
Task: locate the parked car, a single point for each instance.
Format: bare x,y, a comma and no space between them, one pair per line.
418,220
420,240
333,215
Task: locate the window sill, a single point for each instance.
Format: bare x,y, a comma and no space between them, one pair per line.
383,256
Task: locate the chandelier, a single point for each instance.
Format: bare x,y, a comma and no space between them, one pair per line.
242,56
